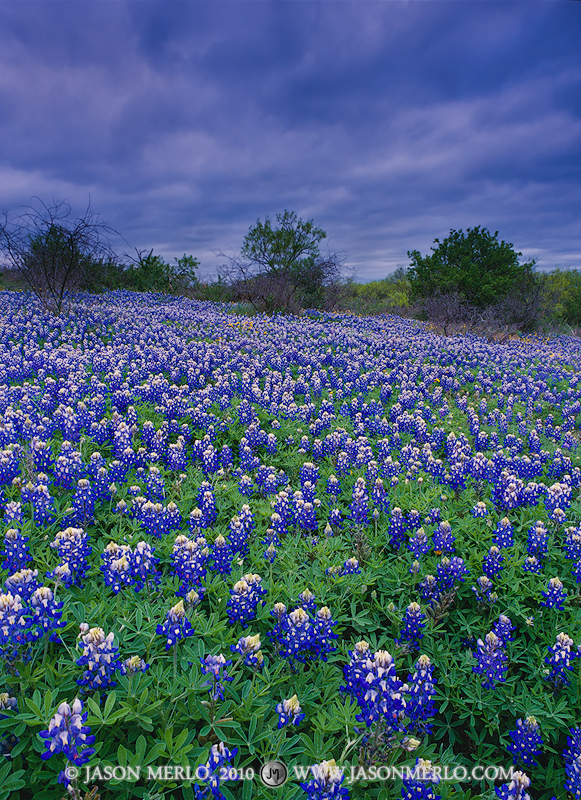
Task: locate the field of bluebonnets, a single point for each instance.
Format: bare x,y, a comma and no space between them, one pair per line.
230,540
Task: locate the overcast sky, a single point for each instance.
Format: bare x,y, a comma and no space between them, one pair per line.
387,123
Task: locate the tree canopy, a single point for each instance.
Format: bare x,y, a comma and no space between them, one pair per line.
474,265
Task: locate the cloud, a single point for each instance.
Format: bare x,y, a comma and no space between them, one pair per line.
388,123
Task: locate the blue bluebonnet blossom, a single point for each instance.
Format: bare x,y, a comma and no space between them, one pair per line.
83,508
503,628
537,542
372,680
412,625
333,486
215,666
527,742
46,611
189,558
249,647
492,563
572,544
238,536
397,528
516,789
133,665
15,624
555,595
532,564
307,600
503,535
68,733
100,657
22,583
211,773
176,626
289,712
480,510
125,566
303,635
326,782
442,540
420,784
419,543
245,597
73,548
350,567
492,660
559,659
484,591
359,507
572,757
221,556
421,689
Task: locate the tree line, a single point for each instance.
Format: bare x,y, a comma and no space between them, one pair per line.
470,282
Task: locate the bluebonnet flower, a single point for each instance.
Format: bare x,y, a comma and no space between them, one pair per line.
46,610
442,540
213,771
308,472
307,600
379,496
73,548
537,543
83,508
503,536
449,571
326,782
43,505
555,595
359,507
215,667
419,786
238,536
189,557
480,510
419,544
68,734
133,665
333,486
492,563
15,626
559,658
412,625
397,528
492,660
246,486
249,647
289,712
306,517
503,628
572,544
176,626
527,742
377,689
532,564
13,513
100,657
245,596
222,555
350,567
572,757
484,591
303,635
421,689
22,583
335,518
516,789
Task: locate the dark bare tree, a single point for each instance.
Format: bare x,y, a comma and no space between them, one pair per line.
52,252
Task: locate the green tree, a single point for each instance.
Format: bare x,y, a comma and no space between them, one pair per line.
283,266
474,265
150,273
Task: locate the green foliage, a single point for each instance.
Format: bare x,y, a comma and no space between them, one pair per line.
376,297
475,265
565,287
153,274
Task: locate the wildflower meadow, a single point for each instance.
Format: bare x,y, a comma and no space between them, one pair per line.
345,547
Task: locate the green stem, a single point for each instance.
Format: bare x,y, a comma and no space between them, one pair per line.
175,661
